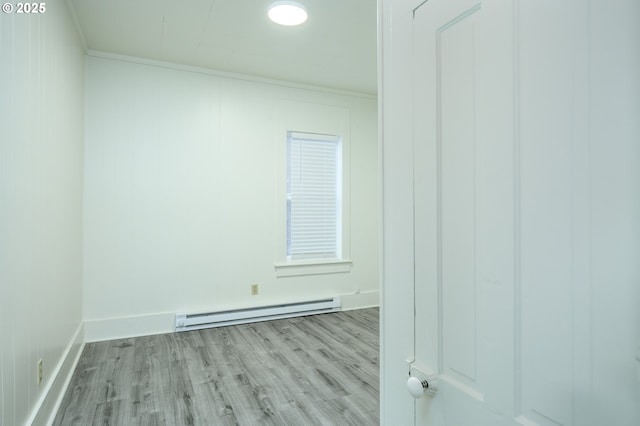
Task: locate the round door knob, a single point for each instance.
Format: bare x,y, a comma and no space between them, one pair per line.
416,387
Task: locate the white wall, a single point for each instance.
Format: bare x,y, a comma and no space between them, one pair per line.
41,131
181,196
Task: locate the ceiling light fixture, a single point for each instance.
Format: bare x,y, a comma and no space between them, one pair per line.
287,13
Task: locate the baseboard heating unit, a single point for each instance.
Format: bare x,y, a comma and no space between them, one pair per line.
186,322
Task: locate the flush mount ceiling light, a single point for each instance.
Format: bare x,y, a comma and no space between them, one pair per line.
287,13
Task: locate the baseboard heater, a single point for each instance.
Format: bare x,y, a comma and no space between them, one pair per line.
186,322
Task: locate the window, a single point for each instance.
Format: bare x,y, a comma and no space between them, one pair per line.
314,196
313,208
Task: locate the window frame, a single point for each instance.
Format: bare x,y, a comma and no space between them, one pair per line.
318,119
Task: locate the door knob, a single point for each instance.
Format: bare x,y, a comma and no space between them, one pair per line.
416,387
420,383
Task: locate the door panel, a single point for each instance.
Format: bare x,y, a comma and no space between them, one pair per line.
554,205
464,209
511,280
457,186
526,197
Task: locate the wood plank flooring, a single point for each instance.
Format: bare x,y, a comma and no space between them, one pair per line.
315,370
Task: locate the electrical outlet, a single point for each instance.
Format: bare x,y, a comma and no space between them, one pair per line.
254,289
39,371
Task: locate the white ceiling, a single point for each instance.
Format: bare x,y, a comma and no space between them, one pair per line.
335,48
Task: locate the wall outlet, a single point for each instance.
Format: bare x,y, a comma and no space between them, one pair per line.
39,371
254,289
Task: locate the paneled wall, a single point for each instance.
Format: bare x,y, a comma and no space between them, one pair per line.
182,192
41,132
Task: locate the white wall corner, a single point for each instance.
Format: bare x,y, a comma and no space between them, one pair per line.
47,405
365,299
74,17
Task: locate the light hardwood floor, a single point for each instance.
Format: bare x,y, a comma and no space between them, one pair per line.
315,370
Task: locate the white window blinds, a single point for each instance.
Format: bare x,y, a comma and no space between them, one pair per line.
314,182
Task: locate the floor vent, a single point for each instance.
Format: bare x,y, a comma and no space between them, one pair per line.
186,322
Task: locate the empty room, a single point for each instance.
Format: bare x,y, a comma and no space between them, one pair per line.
361,212
193,164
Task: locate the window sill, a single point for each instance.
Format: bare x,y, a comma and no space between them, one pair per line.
316,267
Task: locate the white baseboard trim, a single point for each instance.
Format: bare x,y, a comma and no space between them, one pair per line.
365,299
47,405
125,327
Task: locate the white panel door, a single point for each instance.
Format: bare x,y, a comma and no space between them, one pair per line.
464,209
507,221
